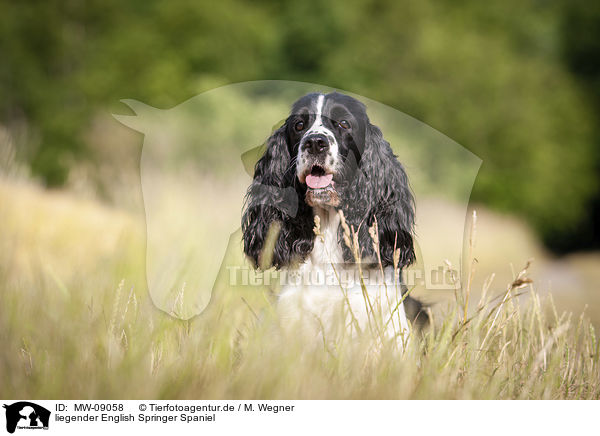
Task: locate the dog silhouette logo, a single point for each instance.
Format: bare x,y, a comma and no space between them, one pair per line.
26,415
193,185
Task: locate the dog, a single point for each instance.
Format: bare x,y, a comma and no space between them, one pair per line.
331,205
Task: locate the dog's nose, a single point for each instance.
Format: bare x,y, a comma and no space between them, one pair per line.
315,144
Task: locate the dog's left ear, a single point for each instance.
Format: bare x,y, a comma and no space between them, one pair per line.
380,190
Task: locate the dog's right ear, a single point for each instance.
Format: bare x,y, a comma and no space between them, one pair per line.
274,219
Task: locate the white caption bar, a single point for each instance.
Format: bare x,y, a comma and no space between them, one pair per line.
296,417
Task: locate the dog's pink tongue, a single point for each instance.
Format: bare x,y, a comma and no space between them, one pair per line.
318,182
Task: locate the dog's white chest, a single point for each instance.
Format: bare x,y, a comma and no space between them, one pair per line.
326,297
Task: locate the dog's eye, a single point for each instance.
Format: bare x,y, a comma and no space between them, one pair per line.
299,126
344,124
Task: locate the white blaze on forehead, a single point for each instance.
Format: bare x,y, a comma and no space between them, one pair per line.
320,102
318,126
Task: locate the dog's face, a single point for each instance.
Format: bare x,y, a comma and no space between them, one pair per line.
327,134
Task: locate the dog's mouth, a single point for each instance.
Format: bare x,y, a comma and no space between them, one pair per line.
318,178
320,189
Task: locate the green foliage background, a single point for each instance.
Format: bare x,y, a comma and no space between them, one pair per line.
516,82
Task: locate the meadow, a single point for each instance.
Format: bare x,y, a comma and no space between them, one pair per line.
77,321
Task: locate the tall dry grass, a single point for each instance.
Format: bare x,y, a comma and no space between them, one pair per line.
76,322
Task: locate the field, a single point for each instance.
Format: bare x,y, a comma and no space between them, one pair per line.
76,321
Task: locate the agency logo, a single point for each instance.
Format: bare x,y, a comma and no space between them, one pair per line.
193,235
26,415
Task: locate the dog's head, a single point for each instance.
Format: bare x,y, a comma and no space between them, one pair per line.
328,155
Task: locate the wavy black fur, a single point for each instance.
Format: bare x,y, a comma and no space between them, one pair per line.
265,206
380,190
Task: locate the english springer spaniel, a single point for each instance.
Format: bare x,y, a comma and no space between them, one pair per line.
331,205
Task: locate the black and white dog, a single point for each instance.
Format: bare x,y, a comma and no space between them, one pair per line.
329,156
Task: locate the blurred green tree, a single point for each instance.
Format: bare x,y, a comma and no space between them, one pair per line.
494,77
580,28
